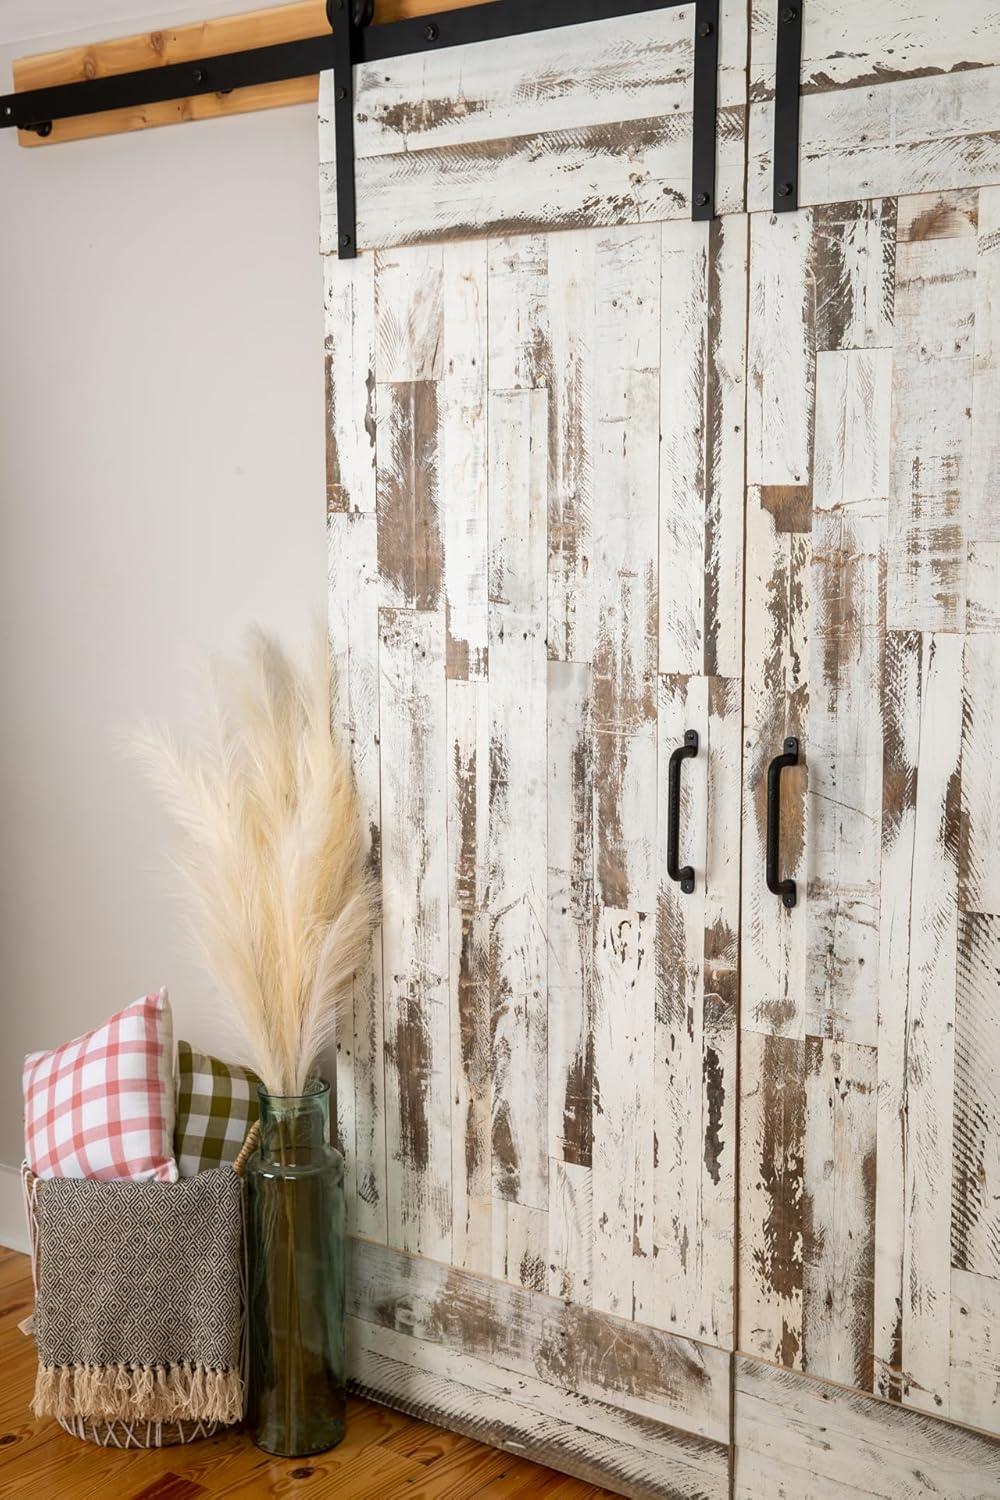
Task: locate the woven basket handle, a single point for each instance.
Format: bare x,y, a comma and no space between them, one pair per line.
247,1149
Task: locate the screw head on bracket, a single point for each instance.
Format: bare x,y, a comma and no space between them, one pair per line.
199,75
784,189
431,33
789,14
340,93
702,200
788,899
345,240
687,885
705,28
44,129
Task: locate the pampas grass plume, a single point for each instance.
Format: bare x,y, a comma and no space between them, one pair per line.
270,852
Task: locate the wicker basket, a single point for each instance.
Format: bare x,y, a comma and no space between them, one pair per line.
121,1433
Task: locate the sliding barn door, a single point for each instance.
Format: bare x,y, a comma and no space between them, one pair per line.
870,1203
535,493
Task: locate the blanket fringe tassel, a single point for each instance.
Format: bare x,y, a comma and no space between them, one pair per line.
142,1393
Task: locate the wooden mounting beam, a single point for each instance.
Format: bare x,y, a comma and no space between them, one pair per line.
152,49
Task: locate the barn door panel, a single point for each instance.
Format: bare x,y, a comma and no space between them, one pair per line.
870,1176
535,499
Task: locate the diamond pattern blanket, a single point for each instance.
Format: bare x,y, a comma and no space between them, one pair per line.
139,1310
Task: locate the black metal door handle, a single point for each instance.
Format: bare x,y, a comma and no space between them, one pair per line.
682,753
783,888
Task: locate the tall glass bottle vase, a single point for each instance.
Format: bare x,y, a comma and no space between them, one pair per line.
296,1249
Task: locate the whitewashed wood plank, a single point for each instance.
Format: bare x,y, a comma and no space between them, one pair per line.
982,610
911,136
844,831
349,312
869,1447
901,701
533,1419
624,1000
975,1189
415,929
931,410
570,974
409,313
930,1029
353,584
463,443
408,500
845,45
518,803
684,323
980,875
570,1230
648,1373
839,1183
772,1155
602,73
520,1243
638,171
781,376
975,1349
853,432
984,500
624,564
776,704
572,292
519,346
757,1476
469,981
695,1039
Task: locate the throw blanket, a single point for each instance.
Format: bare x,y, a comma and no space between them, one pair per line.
139,1311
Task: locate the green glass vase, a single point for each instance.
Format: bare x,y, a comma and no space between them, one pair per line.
295,1253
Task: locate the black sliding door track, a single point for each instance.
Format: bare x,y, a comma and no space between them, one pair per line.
353,41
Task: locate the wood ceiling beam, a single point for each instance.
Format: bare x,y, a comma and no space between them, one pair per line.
152,49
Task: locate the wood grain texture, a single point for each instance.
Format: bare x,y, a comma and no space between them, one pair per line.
869,1177
176,44
801,1439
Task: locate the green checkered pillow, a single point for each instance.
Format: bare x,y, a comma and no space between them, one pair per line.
216,1105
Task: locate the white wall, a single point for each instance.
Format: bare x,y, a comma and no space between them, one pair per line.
161,485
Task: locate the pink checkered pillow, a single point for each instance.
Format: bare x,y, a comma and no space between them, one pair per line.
103,1105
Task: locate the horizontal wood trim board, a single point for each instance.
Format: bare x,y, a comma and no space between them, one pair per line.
178,44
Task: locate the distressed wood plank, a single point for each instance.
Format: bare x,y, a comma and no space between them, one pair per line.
464,457
984,501
572,291
527,1416
930,1026
517,798
975,1219
817,1440
469,980
772,1159
354,591
979,875
695,1038
415,929
570,976
932,406
349,311
408,494
975,1348
838,1191
651,1374
623,1127
625,594
912,136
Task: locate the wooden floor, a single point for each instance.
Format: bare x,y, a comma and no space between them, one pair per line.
384,1454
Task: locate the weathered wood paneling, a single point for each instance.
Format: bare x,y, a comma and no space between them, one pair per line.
580,126
801,1439
869,1168
894,101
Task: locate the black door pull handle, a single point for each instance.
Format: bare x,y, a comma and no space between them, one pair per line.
783,888
682,753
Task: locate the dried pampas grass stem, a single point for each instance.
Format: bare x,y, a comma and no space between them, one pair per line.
271,853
